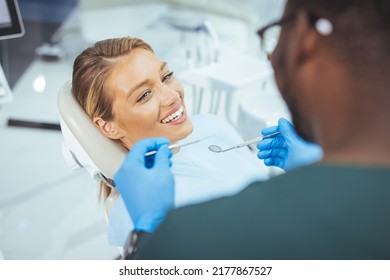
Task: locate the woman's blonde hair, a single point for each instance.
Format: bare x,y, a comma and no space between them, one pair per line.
92,68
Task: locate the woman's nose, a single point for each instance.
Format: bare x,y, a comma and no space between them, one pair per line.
169,96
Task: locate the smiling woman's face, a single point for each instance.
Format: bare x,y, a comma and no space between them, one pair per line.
147,101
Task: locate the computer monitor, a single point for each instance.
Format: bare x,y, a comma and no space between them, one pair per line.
11,24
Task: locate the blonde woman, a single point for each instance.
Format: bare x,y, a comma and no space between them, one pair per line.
130,94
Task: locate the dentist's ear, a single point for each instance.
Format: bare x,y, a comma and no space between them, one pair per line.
107,128
307,37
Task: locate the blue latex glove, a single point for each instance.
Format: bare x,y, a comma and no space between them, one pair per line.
287,150
147,184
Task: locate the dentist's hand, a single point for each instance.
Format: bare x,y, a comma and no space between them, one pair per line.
287,150
147,184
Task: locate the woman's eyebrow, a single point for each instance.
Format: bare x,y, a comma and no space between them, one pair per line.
163,65
138,86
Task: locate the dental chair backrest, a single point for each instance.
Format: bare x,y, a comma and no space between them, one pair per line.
84,145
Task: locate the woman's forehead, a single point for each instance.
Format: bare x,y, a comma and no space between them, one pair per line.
133,68
139,60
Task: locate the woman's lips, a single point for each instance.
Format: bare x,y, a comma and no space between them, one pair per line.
180,119
174,115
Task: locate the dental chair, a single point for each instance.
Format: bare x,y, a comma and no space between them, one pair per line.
86,147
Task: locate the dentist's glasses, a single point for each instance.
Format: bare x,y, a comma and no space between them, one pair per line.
270,34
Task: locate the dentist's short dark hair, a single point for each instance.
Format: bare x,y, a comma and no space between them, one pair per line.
361,29
373,13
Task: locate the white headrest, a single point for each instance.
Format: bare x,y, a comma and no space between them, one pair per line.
84,145
75,156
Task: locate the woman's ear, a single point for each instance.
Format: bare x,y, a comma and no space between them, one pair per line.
107,128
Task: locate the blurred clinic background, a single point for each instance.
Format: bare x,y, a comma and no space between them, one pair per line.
48,210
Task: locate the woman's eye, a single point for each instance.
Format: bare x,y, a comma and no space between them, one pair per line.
145,95
168,76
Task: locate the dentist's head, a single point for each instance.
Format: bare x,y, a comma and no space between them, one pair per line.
331,65
129,93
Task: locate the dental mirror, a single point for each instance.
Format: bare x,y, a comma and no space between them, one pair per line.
218,149
215,148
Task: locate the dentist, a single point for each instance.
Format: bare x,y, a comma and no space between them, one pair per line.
331,66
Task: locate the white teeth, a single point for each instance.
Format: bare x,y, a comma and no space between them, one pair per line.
175,115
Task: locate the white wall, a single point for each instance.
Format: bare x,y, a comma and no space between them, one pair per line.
255,11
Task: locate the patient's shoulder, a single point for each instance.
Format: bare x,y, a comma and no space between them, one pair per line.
208,124
212,123
200,118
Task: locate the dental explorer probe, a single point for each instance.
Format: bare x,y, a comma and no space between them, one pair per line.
178,145
218,149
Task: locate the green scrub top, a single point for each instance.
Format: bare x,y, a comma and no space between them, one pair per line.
324,211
